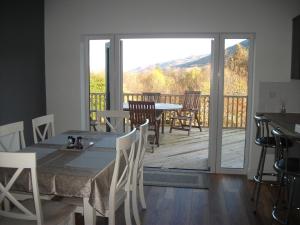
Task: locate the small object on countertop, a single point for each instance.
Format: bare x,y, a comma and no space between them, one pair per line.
79,143
71,142
283,108
297,128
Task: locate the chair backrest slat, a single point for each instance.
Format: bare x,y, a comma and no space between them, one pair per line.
143,140
12,137
115,119
140,111
262,127
43,128
125,151
19,161
191,100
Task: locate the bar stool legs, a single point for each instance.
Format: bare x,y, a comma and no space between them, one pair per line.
276,209
258,177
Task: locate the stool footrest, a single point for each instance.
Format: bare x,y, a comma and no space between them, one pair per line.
276,217
256,178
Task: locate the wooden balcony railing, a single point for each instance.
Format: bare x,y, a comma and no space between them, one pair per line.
235,107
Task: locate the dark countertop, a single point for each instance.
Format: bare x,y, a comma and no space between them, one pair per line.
285,121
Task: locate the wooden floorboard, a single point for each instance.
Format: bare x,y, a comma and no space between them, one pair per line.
178,150
226,202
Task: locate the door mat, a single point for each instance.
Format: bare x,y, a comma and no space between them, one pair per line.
176,178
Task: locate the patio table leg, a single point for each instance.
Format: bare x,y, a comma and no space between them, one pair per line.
89,213
163,122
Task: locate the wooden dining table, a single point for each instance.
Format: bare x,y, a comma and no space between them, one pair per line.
85,174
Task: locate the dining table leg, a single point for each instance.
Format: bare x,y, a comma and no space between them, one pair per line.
89,213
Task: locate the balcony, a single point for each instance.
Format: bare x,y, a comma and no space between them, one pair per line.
235,112
178,150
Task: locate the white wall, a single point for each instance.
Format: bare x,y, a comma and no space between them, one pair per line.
273,94
66,21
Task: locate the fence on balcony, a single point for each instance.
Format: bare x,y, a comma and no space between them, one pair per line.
235,107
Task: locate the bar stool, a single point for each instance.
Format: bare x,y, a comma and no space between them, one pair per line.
266,142
289,170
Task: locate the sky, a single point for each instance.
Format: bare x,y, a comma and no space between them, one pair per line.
144,52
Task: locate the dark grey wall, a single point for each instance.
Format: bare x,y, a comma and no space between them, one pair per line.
22,64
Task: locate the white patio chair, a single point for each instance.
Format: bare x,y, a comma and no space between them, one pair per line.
31,211
138,173
115,119
43,128
121,179
12,137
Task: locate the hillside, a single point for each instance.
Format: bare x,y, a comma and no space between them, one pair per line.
192,61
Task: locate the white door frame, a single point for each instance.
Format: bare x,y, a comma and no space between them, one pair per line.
220,101
84,74
216,85
213,96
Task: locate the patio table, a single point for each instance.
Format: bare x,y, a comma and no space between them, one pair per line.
76,173
160,109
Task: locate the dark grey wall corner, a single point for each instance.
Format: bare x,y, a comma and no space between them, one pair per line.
22,63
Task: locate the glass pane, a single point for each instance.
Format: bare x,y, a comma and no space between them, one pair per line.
235,102
98,69
171,66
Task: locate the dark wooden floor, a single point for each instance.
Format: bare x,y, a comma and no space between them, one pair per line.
227,202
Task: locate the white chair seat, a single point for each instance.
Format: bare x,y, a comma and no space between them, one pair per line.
54,212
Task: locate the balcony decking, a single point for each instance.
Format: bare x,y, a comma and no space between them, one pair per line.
178,150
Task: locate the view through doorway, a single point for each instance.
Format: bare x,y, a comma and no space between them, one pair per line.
170,67
218,67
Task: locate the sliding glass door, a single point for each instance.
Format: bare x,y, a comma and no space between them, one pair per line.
169,66
98,78
234,96
122,67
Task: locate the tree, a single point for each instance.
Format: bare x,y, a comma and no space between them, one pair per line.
97,82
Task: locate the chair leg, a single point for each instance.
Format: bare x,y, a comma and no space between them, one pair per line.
275,206
190,126
260,178
72,219
127,209
134,202
171,125
6,205
198,121
141,191
163,123
291,197
257,173
157,136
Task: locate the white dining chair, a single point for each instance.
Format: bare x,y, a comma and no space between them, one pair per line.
121,179
12,137
32,211
116,120
121,186
43,128
137,185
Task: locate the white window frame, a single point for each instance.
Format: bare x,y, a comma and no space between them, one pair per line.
216,82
